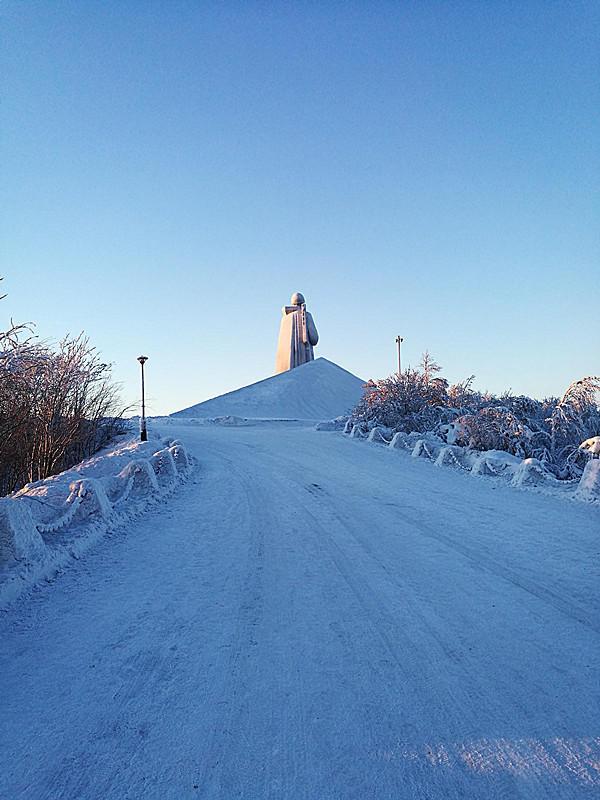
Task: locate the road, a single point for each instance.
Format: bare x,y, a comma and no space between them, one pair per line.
313,617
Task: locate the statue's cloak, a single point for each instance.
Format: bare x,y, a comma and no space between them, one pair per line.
297,336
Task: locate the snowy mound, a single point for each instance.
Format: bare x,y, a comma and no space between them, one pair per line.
315,391
46,523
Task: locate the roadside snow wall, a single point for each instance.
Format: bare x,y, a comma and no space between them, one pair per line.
47,523
522,473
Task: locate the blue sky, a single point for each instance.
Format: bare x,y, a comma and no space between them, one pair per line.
173,171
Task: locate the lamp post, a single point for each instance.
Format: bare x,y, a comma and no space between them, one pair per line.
143,434
399,342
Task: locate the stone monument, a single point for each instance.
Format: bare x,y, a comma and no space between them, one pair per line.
297,336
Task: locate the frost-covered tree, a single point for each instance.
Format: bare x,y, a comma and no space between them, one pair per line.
549,430
575,417
428,366
411,400
493,428
57,406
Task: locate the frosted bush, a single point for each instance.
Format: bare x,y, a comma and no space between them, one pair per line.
418,402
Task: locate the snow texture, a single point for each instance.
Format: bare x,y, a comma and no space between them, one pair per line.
589,485
312,617
531,472
48,522
522,473
307,617
315,391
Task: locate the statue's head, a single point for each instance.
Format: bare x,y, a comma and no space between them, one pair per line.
298,299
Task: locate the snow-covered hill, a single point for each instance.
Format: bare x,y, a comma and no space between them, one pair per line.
314,391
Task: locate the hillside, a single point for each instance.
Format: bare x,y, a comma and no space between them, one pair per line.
314,391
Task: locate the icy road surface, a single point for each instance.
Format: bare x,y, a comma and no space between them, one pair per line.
312,617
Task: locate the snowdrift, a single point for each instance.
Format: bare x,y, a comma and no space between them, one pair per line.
50,521
315,391
522,473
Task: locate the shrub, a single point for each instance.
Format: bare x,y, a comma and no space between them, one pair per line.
56,406
549,430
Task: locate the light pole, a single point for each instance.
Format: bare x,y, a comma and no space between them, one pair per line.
143,434
399,342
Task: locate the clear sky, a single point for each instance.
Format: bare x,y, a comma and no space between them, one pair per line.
171,172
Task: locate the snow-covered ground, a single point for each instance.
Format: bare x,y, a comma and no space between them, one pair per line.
46,524
317,390
310,617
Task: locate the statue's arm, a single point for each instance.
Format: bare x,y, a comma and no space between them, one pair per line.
311,330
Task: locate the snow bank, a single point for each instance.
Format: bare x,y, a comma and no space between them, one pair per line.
589,485
231,420
337,424
532,472
427,448
358,432
380,435
451,456
399,441
522,473
19,539
494,462
48,522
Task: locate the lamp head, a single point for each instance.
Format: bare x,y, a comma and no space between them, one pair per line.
142,360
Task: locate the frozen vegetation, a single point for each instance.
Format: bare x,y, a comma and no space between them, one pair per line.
548,434
57,405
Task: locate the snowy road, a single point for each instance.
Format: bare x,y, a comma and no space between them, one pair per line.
312,617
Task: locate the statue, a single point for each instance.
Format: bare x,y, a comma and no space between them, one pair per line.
297,336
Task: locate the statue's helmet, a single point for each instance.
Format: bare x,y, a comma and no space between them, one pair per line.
298,299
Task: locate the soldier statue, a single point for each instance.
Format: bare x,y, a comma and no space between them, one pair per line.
297,336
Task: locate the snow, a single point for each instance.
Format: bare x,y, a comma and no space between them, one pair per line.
380,435
531,472
451,456
315,391
591,446
426,448
47,523
589,485
494,462
306,614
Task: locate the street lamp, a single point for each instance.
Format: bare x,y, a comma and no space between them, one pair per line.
143,434
399,342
